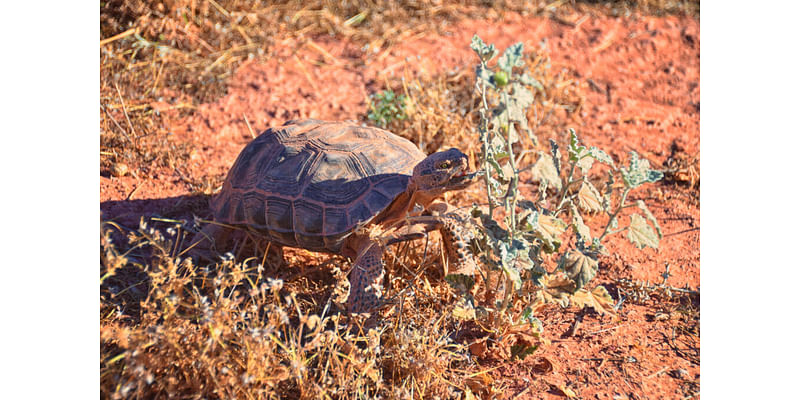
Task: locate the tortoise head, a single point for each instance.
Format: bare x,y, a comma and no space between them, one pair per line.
440,172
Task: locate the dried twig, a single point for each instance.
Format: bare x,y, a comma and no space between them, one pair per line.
659,372
135,189
119,36
124,134
249,127
124,110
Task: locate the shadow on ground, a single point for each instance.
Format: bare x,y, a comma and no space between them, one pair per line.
128,213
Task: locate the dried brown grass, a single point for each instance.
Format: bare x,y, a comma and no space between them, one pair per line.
172,328
182,52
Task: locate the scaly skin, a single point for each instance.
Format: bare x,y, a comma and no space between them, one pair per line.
366,277
456,237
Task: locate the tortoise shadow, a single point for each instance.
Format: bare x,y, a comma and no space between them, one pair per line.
128,213
128,285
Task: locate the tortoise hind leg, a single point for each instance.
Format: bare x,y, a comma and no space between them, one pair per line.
215,240
206,243
274,256
366,279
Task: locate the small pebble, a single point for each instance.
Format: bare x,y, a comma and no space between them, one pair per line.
680,373
119,169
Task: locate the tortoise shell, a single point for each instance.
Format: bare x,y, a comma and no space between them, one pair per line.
309,183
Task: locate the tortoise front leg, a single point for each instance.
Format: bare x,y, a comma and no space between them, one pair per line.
453,224
366,279
456,237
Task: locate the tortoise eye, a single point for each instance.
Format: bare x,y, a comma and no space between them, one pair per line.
444,165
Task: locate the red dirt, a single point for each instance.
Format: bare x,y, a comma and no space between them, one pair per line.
645,97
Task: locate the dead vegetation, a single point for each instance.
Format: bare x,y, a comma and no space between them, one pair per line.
170,328
173,328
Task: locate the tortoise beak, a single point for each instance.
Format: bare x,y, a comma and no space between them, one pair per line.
462,178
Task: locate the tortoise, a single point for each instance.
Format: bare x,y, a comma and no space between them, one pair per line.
330,186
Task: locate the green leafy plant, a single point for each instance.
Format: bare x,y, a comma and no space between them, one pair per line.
519,234
386,107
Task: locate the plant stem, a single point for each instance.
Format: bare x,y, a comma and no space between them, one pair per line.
512,186
614,216
566,184
511,194
618,230
484,132
507,293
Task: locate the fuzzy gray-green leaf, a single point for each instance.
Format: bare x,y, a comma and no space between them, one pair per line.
579,267
601,156
598,299
557,289
650,217
549,229
508,260
494,231
531,220
522,260
583,233
544,171
639,172
484,75
485,53
536,324
598,247
641,234
585,163
511,58
575,149
589,198
580,153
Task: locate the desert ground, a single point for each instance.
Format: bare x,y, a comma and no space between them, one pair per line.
185,85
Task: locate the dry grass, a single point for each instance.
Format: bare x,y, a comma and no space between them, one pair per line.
225,330
182,53
653,7
172,328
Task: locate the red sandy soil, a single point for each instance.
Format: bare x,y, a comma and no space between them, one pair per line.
645,97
